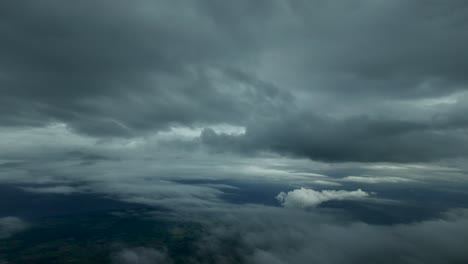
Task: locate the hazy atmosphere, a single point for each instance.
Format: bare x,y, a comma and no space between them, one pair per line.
257,132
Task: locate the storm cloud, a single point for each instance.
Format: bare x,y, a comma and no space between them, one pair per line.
328,80
168,63
208,109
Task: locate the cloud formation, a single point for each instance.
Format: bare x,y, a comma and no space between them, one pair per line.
140,255
361,138
304,237
11,225
171,104
54,189
305,198
375,180
166,61
383,83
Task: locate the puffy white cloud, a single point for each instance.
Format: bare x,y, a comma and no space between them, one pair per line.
10,225
304,198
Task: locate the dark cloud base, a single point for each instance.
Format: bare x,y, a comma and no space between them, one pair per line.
281,69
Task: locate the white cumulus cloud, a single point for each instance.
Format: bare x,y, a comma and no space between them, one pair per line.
304,198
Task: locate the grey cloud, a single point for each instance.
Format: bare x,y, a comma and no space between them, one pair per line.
360,138
397,48
140,255
54,189
147,172
11,225
300,238
92,93
327,80
110,68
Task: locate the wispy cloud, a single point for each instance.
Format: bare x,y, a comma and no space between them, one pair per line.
376,180
11,225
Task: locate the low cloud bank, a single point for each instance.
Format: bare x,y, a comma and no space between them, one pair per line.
305,198
140,255
280,236
11,225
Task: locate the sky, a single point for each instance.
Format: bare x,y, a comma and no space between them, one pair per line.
341,125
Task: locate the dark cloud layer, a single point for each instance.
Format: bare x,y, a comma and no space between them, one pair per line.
362,138
385,48
328,80
113,68
208,109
